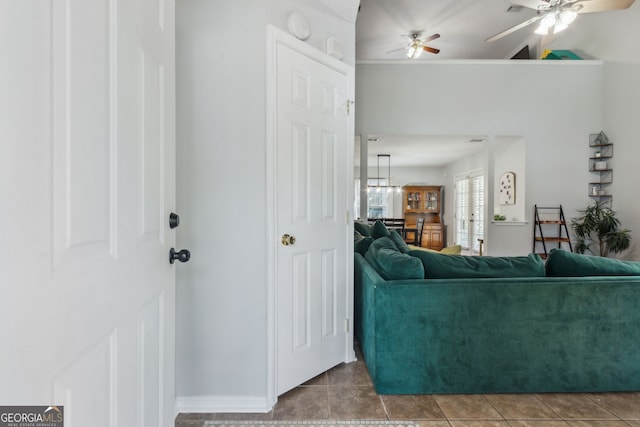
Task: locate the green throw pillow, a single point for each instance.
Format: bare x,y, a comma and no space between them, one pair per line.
440,266
561,263
392,264
362,228
379,230
362,245
395,236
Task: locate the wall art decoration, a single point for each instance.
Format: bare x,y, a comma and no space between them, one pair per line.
507,188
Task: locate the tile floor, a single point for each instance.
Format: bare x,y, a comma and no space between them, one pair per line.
346,392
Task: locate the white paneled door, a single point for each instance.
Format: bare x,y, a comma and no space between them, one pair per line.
312,216
88,183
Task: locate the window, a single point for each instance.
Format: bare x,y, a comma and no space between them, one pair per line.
377,199
380,201
469,210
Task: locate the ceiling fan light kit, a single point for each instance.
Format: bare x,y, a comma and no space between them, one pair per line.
414,50
557,19
558,14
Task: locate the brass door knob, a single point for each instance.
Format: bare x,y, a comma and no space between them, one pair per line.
288,239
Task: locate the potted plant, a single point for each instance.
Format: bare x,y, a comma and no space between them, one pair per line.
598,224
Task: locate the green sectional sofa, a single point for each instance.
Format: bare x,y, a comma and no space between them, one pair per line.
484,334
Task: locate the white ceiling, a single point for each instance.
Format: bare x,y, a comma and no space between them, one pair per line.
463,25
420,150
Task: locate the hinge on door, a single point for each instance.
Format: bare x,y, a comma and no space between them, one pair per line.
346,325
348,108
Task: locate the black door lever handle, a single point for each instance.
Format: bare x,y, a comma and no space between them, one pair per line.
183,256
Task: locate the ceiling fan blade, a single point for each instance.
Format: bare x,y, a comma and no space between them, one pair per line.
430,38
431,49
514,28
591,6
532,4
395,50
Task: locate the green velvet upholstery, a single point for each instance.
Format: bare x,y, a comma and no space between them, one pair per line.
361,243
561,263
498,335
399,241
392,264
363,228
379,230
441,266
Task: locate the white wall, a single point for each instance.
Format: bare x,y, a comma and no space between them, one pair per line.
509,155
220,105
613,37
553,105
414,175
221,293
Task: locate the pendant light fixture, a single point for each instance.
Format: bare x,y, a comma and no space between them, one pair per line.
387,187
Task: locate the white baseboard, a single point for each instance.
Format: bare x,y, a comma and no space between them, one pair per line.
216,404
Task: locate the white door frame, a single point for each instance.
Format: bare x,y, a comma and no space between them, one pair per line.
277,37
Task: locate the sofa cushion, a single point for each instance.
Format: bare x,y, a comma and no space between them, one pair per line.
361,244
440,266
451,250
392,264
561,263
379,230
402,246
362,228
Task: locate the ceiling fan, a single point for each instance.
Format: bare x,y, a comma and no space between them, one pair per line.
558,14
416,45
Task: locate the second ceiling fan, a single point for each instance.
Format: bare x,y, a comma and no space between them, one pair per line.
416,45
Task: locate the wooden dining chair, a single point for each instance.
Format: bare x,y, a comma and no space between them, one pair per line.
417,233
419,229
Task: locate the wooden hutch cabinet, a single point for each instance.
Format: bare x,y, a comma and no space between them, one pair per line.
426,202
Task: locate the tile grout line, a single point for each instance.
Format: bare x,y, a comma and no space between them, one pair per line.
328,398
588,396
384,407
440,408
591,397
494,408
537,396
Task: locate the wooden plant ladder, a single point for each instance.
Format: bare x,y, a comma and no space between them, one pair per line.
549,227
